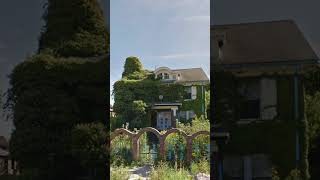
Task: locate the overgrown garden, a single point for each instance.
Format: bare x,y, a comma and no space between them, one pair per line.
134,95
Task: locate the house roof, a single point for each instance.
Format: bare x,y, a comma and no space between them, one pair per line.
261,42
191,75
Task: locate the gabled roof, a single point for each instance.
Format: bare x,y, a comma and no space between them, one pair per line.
261,42
192,75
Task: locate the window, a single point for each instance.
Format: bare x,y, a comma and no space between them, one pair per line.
160,76
250,99
188,93
183,114
174,77
166,76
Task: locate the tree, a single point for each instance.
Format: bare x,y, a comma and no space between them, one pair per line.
131,66
74,28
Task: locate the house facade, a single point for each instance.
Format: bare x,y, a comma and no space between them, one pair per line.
267,61
195,83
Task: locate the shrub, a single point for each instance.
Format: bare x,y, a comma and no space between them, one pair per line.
200,143
121,151
203,166
119,173
89,147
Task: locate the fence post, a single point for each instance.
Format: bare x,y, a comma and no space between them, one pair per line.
135,147
189,149
162,151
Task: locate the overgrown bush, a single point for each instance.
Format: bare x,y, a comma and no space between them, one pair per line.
121,151
74,28
89,147
119,173
133,67
48,97
203,166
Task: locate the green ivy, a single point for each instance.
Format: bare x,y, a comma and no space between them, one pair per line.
272,137
48,97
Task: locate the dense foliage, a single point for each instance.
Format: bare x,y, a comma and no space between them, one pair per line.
263,137
58,96
48,97
88,147
140,85
132,66
74,28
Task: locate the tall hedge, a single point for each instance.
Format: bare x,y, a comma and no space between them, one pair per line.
48,97
74,28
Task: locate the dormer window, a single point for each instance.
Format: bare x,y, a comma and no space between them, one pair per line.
166,76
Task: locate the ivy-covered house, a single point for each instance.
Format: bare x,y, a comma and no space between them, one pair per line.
259,90
158,98
193,103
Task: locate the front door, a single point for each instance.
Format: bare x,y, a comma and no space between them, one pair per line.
164,120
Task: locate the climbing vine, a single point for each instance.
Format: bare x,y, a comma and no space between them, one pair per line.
141,85
271,137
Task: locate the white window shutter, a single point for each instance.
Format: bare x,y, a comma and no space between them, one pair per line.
268,98
194,92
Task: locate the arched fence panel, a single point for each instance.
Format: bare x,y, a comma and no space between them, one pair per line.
162,137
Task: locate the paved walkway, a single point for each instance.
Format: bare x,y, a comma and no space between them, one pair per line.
140,173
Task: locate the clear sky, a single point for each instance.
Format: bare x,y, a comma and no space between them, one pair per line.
172,33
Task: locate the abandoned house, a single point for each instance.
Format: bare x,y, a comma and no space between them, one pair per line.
195,82
265,100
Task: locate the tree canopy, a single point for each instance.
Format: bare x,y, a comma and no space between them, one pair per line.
132,66
74,28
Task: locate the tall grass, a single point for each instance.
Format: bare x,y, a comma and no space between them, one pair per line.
164,172
119,173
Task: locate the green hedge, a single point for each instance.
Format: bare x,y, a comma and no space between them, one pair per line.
48,97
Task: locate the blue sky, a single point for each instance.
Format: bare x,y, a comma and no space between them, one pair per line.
173,33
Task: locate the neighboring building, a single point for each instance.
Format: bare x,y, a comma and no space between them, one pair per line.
195,82
7,165
268,60
4,155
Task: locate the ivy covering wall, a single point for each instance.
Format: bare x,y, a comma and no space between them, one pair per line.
275,138
139,84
